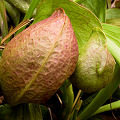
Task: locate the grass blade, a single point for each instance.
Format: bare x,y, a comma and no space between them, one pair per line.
23,23
108,107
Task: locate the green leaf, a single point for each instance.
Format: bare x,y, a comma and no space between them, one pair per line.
30,12
5,112
113,13
115,21
20,4
108,107
113,40
13,13
67,97
113,16
98,7
83,21
21,112
35,111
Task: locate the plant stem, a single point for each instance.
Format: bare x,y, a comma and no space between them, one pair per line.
23,23
22,5
76,99
3,19
108,107
77,108
100,98
73,112
13,12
